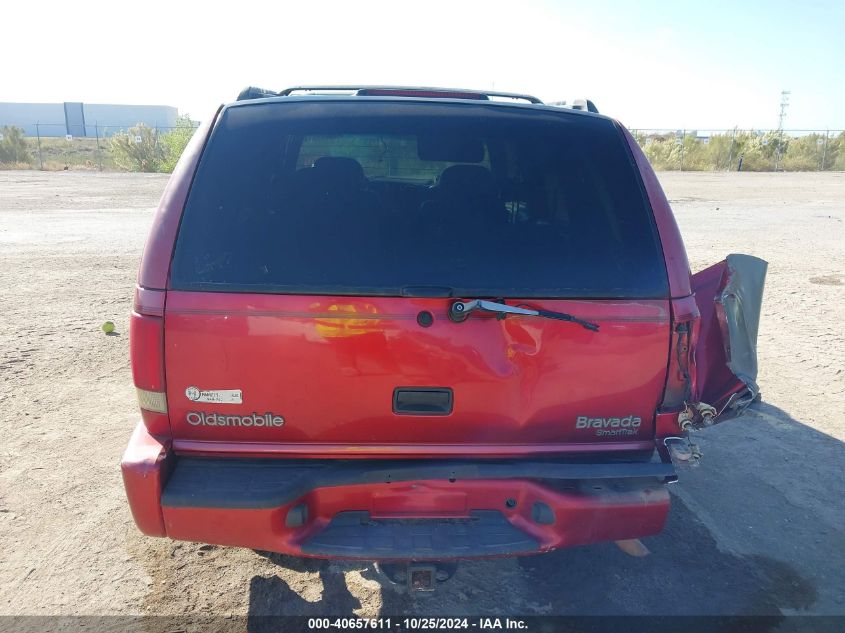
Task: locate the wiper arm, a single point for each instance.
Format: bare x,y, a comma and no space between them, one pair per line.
460,310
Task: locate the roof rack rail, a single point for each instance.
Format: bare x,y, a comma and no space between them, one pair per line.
577,104
407,91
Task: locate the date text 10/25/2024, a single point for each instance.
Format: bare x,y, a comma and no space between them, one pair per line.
415,624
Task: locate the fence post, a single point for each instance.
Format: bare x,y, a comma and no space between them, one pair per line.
730,164
683,138
824,151
40,158
99,149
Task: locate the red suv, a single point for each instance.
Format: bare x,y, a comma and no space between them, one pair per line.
407,324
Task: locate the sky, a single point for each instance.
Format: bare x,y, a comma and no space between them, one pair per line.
652,65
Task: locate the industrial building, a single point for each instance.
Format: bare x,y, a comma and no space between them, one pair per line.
83,119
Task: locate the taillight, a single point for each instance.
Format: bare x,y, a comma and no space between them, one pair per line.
154,401
146,350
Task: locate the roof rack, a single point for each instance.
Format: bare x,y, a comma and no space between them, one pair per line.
387,91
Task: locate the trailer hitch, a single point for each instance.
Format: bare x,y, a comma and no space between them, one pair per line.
419,578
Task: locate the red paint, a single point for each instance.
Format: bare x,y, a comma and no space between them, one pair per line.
710,379
677,265
144,466
680,375
155,263
717,381
146,351
149,302
386,451
329,366
582,515
666,423
146,347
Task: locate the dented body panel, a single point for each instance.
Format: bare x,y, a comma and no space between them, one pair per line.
729,296
508,377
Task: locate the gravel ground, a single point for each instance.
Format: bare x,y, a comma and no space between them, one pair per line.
756,529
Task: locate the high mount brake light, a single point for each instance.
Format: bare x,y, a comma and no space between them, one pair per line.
431,94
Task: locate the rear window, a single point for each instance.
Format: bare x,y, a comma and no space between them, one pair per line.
387,198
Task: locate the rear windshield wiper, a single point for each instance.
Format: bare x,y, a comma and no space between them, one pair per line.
460,310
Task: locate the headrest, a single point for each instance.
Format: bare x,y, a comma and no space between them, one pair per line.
340,170
467,180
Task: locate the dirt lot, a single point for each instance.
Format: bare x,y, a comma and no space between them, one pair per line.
757,529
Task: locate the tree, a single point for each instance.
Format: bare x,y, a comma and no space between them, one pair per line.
804,153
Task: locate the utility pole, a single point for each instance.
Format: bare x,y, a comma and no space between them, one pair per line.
784,104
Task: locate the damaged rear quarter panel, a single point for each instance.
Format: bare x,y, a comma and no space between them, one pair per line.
729,296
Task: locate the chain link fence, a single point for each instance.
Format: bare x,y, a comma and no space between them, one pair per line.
104,148
744,150
156,149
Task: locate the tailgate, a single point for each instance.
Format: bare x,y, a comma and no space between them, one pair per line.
287,372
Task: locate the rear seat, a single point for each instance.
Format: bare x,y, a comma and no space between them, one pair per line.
331,197
464,199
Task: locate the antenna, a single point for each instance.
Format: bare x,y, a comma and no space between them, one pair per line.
784,104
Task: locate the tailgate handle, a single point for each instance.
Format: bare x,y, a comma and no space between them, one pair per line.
422,401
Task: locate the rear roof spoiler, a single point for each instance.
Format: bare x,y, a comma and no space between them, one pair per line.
387,91
251,92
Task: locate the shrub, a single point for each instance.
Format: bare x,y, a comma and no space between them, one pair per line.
145,149
760,151
138,150
175,141
664,152
804,154
835,158
13,148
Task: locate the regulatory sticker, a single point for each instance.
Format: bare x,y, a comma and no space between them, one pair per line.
217,396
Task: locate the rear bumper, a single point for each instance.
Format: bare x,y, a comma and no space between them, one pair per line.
400,509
